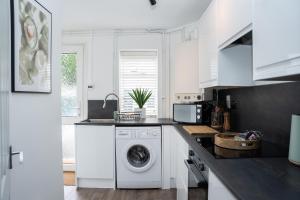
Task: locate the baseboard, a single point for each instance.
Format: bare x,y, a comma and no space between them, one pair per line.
173,183
95,183
69,167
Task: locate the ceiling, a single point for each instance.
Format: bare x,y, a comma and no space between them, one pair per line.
127,14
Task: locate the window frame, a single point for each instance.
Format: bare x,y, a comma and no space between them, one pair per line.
118,75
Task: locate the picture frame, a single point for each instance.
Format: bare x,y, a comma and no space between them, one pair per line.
31,49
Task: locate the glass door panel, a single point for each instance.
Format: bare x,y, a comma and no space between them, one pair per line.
69,98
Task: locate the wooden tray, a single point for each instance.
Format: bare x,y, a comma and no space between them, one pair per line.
200,130
227,141
234,153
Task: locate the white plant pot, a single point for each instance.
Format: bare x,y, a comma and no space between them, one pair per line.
142,111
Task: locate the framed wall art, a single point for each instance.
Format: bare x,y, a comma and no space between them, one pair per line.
31,47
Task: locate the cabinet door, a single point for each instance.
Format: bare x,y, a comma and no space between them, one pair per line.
234,20
208,47
276,41
216,189
186,67
95,152
181,169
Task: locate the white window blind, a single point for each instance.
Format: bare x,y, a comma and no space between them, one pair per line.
138,69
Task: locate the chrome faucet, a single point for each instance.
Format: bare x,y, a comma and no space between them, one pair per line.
112,94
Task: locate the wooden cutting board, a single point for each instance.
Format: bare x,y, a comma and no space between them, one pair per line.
200,130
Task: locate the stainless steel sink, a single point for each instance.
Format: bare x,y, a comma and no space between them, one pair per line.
99,120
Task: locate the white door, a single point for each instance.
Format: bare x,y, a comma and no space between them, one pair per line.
72,106
4,91
72,84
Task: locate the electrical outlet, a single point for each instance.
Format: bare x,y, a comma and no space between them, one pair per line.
187,97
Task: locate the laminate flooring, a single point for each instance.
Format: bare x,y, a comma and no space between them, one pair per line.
71,193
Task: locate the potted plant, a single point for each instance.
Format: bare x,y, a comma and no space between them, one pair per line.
141,96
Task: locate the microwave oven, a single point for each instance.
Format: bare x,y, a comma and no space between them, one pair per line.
192,113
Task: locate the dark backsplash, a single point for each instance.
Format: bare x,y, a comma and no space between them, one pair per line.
95,110
265,108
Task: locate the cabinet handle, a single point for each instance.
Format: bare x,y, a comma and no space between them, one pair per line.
199,178
11,154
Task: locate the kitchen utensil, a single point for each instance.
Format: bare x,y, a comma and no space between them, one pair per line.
226,124
217,118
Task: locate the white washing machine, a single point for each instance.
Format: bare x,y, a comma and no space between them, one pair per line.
138,157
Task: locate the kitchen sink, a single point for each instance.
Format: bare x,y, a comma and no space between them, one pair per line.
99,120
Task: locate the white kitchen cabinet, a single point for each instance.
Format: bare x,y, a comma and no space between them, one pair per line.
95,156
235,66
234,20
208,46
221,68
186,67
216,189
169,146
174,152
276,38
182,149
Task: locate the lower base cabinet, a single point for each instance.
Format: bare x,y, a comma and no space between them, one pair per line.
216,189
182,149
95,156
175,172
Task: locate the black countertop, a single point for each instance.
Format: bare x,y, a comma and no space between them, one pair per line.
252,178
246,178
142,122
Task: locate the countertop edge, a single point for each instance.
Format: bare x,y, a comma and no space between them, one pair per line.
145,122
265,167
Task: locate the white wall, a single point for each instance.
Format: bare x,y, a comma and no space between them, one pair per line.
101,59
35,129
145,41
175,76
183,61
102,70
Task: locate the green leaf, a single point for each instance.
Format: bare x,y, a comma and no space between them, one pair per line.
140,96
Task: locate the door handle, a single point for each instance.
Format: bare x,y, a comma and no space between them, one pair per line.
11,154
199,178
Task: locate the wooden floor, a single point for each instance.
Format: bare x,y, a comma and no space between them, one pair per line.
109,194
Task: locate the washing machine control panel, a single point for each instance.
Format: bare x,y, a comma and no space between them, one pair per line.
141,133
138,132
154,132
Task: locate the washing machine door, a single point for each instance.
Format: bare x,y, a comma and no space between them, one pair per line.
139,157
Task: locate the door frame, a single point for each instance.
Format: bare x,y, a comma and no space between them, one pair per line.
79,49
81,88
69,39
4,99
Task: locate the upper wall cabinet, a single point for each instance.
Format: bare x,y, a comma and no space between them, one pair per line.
234,20
186,67
208,46
276,38
221,68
